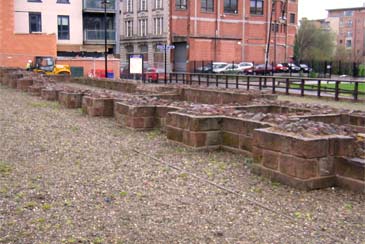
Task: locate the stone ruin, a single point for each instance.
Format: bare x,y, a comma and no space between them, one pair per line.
301,145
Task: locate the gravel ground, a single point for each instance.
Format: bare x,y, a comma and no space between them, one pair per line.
69,178
340,105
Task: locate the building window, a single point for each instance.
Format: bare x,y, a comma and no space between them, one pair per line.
292,18
129,28
257,7
142,5
158,26
230,6
63,1
348,13
35,1
142,27
207,5
181,4
349,24
348,43
349,34
63,24
35,22
158,4
129,6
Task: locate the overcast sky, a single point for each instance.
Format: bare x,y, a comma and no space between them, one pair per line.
316,9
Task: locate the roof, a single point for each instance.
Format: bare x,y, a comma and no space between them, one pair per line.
339,9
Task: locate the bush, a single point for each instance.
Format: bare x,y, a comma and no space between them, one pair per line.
313,75
362,70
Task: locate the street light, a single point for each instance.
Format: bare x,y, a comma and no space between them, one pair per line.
105,2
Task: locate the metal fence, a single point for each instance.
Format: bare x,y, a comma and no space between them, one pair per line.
320,87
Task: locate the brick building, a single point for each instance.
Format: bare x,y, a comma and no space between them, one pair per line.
350,30
59,28
234,30
15,48
210,30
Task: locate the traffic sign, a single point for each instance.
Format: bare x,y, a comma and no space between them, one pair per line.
165,47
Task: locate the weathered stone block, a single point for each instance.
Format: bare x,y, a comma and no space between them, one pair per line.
205,123
142,111
245,143
174,134
23,84
70,100
50,94
230,139
35,90
98,106
270,159
298,167
353,168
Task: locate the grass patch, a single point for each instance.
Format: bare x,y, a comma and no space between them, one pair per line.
44,104
5,169
344,87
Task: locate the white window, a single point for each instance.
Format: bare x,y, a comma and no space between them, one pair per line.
142,27
158,26
129,6
158,4
129,28
142,5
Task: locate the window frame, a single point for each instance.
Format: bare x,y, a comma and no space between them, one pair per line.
256,9
40,21
61,17
229,9
181,4
292,18
205,7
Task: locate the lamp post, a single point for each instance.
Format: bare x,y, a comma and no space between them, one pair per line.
105,2
269,37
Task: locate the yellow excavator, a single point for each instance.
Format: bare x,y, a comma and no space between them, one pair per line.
46,65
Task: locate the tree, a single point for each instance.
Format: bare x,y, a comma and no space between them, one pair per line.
313,43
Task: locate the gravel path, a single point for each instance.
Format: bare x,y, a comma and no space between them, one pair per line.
69,178
329,102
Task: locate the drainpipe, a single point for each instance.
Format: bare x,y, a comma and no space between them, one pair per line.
188,34
269,34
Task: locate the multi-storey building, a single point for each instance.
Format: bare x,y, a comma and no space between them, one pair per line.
78,25
351,26
144,26
213,30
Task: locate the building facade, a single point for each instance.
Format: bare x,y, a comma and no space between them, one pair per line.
17,48
350,29
78,25
145,26
212,30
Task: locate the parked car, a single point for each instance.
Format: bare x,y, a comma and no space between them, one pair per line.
260,69
208,68
219,67
305,68
292,67
231,69
281,68
155,74
243,66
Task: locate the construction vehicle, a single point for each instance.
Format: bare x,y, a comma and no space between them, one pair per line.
46,65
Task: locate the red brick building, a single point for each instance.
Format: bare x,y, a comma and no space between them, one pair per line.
16,49
351,30
232,30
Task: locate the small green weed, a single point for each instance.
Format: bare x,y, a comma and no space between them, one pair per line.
5,169
46,206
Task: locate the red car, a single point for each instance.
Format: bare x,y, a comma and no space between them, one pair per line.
281,68
155,74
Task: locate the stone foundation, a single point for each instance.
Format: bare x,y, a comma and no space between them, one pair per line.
50,94
35,90
98,106
70,99
23,84
304,163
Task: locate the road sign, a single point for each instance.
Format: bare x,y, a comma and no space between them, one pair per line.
165,47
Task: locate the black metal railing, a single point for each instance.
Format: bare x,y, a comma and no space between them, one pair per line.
302,86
